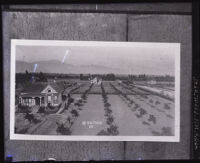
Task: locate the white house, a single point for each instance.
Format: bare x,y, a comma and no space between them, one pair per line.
41,94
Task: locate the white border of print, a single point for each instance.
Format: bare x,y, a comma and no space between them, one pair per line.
175,138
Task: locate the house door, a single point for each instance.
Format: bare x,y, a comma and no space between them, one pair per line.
37,101
49,99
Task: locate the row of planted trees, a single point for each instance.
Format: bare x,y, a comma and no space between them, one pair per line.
134,106
113,128
72,113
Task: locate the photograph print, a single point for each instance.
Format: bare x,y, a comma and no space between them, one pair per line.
95,91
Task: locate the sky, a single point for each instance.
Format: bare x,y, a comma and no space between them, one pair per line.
128,58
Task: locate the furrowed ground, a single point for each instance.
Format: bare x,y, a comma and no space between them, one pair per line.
110,108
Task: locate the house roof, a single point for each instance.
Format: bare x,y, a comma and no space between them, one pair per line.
58,87
37,88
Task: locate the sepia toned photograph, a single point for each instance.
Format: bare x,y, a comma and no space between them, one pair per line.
95,91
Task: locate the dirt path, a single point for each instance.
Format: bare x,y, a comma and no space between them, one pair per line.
126,120
91,120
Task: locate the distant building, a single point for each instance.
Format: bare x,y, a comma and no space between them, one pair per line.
96,80
152,82
41,94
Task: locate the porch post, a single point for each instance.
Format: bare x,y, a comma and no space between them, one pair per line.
32,101
40,100
19,102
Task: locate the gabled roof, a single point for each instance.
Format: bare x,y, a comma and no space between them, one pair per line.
37,88
58,87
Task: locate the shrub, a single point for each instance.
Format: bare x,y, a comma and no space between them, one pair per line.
74,113
142,111
63,130
24,109
35,120
109,111
41,109
166,131
107,105
69,120
29,117
152,118
151,101
136,106
103,133
64,97
131,101
157,102
51,110
77,104
113,130
66,106
59,106
79,108
110,120
70,100
166,106
23,131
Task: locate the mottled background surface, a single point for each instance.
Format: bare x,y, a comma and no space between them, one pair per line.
162,22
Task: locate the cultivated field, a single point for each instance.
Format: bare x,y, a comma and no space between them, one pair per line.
110,108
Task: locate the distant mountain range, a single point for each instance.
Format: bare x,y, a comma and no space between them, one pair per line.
54,66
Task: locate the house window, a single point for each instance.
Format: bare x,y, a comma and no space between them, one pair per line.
49,90
49,99
30,100
55,99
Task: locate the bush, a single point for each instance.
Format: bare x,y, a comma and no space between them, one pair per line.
157,102
142,111
77,104
166,131
51,110
113,130
103,133
151,101
22,131
63,130
110,120
152,118
24,109
74,113
108,111
29,117
166,106
136,106
131,101
64,97
35,120
41,109
107,105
